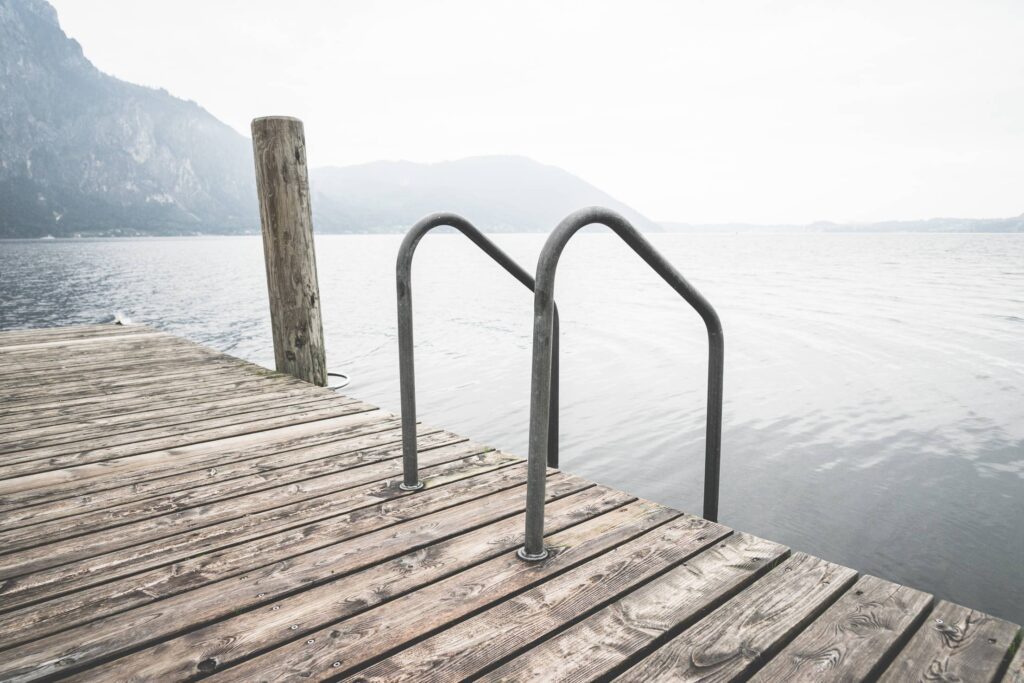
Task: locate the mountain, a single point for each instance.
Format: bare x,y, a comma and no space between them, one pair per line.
501,193
1012,224
84,152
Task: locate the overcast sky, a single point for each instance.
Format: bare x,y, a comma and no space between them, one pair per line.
757,111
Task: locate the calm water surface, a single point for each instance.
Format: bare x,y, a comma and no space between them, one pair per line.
874,384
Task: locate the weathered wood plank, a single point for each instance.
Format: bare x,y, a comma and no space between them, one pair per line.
954,643
96,368
21,335
355,641
228,642
290,552
73,436
47,533
404,520
89,587
213,370
468,647
253,423
58,343
855,638
98,360
181,515
139,476
133,409
742,634
368,443
220,382
80,646
636,623
167,436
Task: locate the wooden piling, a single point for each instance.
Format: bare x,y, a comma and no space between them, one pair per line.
282,182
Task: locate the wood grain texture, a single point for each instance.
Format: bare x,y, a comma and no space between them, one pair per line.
954,644
72,431
282,183
742,634
146,471
469,647
365,442
80,646
385,628
855,638
168,512
230,641
638,621
44,460
191,519
305,480
1015,670
83,591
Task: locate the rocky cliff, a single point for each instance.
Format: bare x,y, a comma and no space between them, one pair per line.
82,152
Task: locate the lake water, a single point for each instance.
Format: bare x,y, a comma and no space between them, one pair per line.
874,384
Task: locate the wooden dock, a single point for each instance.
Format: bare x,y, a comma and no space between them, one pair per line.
172,513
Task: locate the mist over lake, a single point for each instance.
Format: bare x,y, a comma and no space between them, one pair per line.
874,385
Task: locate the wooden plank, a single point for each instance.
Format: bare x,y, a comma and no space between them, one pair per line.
85,340
220,381
182,516
468,647
742,634
347,517
855,638
98,361
636,624
954,643
87,644
67,435
253,423
76,430
1015,671
89,588
189,375
48,533
129,409
355,641
29,334
139,476
368,443
233,640
103,365
107,438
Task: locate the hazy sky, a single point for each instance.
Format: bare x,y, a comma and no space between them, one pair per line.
752,111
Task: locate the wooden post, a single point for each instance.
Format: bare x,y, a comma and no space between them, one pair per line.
282,182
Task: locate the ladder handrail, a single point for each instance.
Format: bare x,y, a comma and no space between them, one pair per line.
544,337
406,365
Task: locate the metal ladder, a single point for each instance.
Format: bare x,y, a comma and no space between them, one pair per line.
544,340
406,365
543,444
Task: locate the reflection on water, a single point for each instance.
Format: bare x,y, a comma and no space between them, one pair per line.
874,412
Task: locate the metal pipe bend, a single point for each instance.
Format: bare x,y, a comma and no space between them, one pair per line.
406,363
540,404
